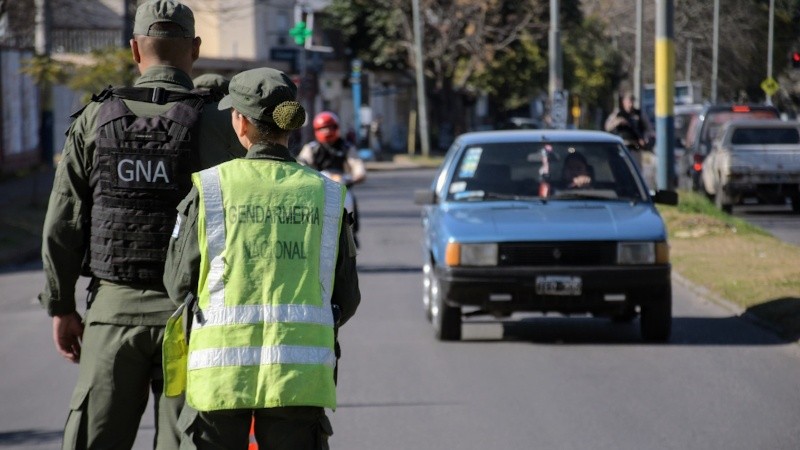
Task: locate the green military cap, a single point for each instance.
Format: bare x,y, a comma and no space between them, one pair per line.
266,95
211,80
159,11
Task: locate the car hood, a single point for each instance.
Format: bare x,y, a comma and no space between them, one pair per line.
552,220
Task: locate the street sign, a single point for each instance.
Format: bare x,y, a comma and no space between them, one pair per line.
558,110
770,86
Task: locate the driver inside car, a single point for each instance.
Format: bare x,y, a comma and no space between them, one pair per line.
576,172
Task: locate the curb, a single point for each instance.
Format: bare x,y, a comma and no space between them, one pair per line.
732,307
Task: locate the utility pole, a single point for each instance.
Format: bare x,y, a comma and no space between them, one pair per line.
665,94
42,43
421,105
715,53
128,12
637,68
556,83
688,69
769,45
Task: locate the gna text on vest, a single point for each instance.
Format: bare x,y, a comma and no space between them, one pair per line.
142,171
284,215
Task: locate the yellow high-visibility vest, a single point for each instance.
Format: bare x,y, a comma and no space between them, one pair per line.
268,233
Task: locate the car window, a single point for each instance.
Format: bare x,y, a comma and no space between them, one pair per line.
716,119
441,176
765,136
533,169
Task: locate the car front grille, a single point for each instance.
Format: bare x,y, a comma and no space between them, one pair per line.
557,254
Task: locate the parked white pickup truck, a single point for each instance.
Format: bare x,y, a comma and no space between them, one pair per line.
754,158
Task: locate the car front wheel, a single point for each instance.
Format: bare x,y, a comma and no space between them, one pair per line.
656,318
722,201
446,319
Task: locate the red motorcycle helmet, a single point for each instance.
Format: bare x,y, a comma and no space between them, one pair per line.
326,127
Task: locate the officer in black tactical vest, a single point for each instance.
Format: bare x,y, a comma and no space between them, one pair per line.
125,165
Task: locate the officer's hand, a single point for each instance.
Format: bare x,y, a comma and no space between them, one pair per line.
67,335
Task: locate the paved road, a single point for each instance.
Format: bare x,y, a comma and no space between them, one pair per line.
779,220
528,382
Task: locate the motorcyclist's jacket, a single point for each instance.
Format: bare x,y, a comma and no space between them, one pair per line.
141,171
262,333
331,157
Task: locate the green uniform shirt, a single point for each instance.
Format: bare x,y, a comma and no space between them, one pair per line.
183,256
65,235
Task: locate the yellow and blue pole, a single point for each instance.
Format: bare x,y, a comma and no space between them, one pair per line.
665,95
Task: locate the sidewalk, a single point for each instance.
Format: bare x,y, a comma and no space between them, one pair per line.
23,202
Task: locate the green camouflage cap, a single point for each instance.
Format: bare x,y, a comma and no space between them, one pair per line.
159,11
266,95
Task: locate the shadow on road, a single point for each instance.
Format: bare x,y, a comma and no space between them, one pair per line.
733,330
29,437
377,268
783,313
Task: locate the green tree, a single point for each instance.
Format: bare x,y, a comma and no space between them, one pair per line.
113,66
592,67
461,40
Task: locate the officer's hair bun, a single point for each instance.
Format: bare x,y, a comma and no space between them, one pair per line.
289,115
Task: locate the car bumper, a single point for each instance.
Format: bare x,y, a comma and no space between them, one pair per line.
508,289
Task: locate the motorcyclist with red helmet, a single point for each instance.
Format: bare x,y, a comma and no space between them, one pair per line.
330,152
335,157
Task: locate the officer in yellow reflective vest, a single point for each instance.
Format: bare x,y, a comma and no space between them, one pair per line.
262,262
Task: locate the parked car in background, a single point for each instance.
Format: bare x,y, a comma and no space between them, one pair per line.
683,116
754,158
703,128
544,221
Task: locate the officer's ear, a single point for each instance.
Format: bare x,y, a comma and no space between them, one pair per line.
137,56
196,48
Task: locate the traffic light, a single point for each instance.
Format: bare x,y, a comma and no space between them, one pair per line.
795,59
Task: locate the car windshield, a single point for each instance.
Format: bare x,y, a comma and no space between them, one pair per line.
536,171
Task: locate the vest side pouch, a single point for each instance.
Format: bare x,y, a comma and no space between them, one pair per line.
175,355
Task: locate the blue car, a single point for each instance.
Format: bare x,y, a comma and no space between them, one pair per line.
544,221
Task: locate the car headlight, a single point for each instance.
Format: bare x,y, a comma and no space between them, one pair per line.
471,254
642,253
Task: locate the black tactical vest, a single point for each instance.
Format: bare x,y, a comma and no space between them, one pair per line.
141,171
330,157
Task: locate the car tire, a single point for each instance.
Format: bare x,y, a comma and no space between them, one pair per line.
655,320
721,200
427,285
446,319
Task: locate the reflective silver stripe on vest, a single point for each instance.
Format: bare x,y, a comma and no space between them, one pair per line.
215,235
330,238
255,314
256,356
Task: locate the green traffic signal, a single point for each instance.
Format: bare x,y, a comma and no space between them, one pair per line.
300,33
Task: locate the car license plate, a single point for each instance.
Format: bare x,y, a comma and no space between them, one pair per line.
558,285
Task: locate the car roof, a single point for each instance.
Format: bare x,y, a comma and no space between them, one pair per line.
690,108
555,136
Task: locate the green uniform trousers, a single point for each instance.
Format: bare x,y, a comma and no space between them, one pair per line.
119,366
284,428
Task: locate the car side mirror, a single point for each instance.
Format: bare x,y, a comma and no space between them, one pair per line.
666,197
424,197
